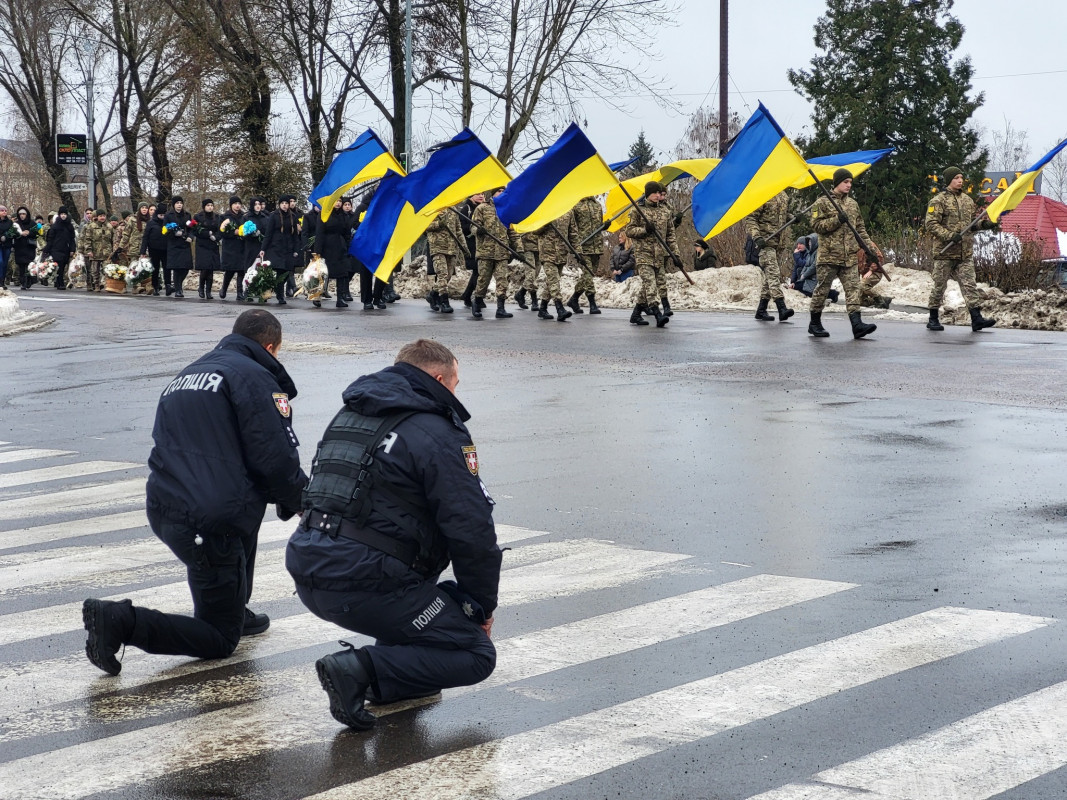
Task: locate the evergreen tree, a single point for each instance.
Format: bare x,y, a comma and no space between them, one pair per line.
886,77
642,151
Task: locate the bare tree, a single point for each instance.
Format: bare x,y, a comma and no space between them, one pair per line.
1054,175
701,137
1009,149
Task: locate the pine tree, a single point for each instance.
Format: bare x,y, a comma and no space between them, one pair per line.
646,157
886,77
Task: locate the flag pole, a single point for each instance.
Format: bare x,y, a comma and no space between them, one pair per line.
659,237
515,253
859,239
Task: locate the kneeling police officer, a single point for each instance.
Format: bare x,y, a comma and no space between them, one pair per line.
394,495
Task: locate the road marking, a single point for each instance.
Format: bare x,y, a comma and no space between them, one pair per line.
44,534
11,456
518,658
82,499
76,470
594,743
976,758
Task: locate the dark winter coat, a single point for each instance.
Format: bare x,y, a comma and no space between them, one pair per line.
433,459
254,244
179,253
224,442
803,277
25,248
622,258
281,241
332,239
153,239
232,256
61,241
207,240
7,232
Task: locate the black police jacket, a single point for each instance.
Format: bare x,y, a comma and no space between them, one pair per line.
224,442
432,457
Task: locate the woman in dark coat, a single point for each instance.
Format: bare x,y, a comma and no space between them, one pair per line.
154,245
370,290
232,258
332,239
60,245
257,215
206,236
179,252
281,244
25,247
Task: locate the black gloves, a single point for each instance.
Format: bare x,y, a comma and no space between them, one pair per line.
760,242
988,225
650,229
841,215
957,237
677,261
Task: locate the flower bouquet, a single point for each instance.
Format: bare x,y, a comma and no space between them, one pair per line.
226,225
259,281
313,280
248,228
115,278
44,270
75,269
139,273
169,228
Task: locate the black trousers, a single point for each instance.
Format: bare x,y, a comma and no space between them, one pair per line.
219,572
366,286
159,265
226,276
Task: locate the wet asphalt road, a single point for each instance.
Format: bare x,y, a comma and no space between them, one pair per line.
926,469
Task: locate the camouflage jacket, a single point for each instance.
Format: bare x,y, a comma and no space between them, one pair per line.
129,240
768,218
550,245
837,245
949,213
445,235
647,247
589,216
485,221
95,242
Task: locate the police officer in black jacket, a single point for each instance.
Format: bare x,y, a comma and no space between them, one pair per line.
224,449
394,495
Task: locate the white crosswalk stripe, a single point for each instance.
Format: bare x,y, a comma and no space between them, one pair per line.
86,498
45,534
28,454
76,470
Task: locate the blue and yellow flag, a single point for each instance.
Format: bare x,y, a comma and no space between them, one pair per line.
617,201
389,228
365,159
1014,194
568,171
856,162
761,163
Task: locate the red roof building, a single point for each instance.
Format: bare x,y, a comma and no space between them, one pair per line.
1040,217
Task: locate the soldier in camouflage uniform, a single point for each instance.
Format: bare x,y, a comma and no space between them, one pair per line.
526,275
96,245
837,253
128,242
588,217
493,256
949,219
760,225
654,218
448,251
552,255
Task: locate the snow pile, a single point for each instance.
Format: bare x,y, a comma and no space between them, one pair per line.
14,320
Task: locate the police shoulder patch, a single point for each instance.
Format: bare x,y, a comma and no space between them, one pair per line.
281,402
470,457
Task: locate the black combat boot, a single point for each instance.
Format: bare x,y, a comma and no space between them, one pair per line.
635,316
520,299
279,292
978,321
446,308
466,298
815,327
543,312
562,314
833,294
934,324
783,312
666,306
535,304
109,626
761,311
434,300
501,312
240,291
593,307
661,318
346,679
859,327
255,624
476,308
572,304
200,287
479,303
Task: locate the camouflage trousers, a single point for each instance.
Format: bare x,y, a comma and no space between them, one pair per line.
487,268
653,282
960,271
525,276
553,272
850,282
94,276
450,277
585,276
772,276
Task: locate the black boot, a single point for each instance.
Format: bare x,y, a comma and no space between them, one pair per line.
635,316
978,321
279,292
783,312
340,303
934,324
520,299
200,287
666,306
466,298
562,314
479,302
593,307
476,308
446,308
534,304
661,318
501,313
572,304
815,327
859,327
169,289
833,294
346,680
240,290
109,626
761,311
433,299
543,312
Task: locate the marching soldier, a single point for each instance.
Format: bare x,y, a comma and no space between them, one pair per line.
96,245
761,225
552,255
949,219
493,255
654,218
527,278
448,249
588,216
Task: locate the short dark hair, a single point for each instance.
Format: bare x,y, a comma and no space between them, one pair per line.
429,356
259,325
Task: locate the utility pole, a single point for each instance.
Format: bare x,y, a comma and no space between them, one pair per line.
407,86
89,49
724,74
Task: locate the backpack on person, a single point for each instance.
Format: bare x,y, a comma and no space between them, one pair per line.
751,251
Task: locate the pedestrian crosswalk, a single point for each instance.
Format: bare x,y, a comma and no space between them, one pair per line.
595,672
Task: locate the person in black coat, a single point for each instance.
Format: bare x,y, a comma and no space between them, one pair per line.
232,257
7,242
154,245
374,569
206,236
179,249
257,215
60,245
370,290
332,239
25,245
224,449
281,243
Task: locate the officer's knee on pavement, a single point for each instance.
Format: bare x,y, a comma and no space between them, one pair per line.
485,661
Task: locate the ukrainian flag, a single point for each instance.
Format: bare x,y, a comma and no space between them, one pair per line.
667,174
363,160
389,228
568,171
761,163
856,162
1014,194
457,169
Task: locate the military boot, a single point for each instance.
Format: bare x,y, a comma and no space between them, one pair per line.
761,311
479,303
346,680
661,318
501,312
562,314
593,307
543,312
815,327
520,299
572,304
434,300
535,305
978,321
109,626
783,312
446,308
255,624
636,318
666,306
934,324
476,308
859,327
